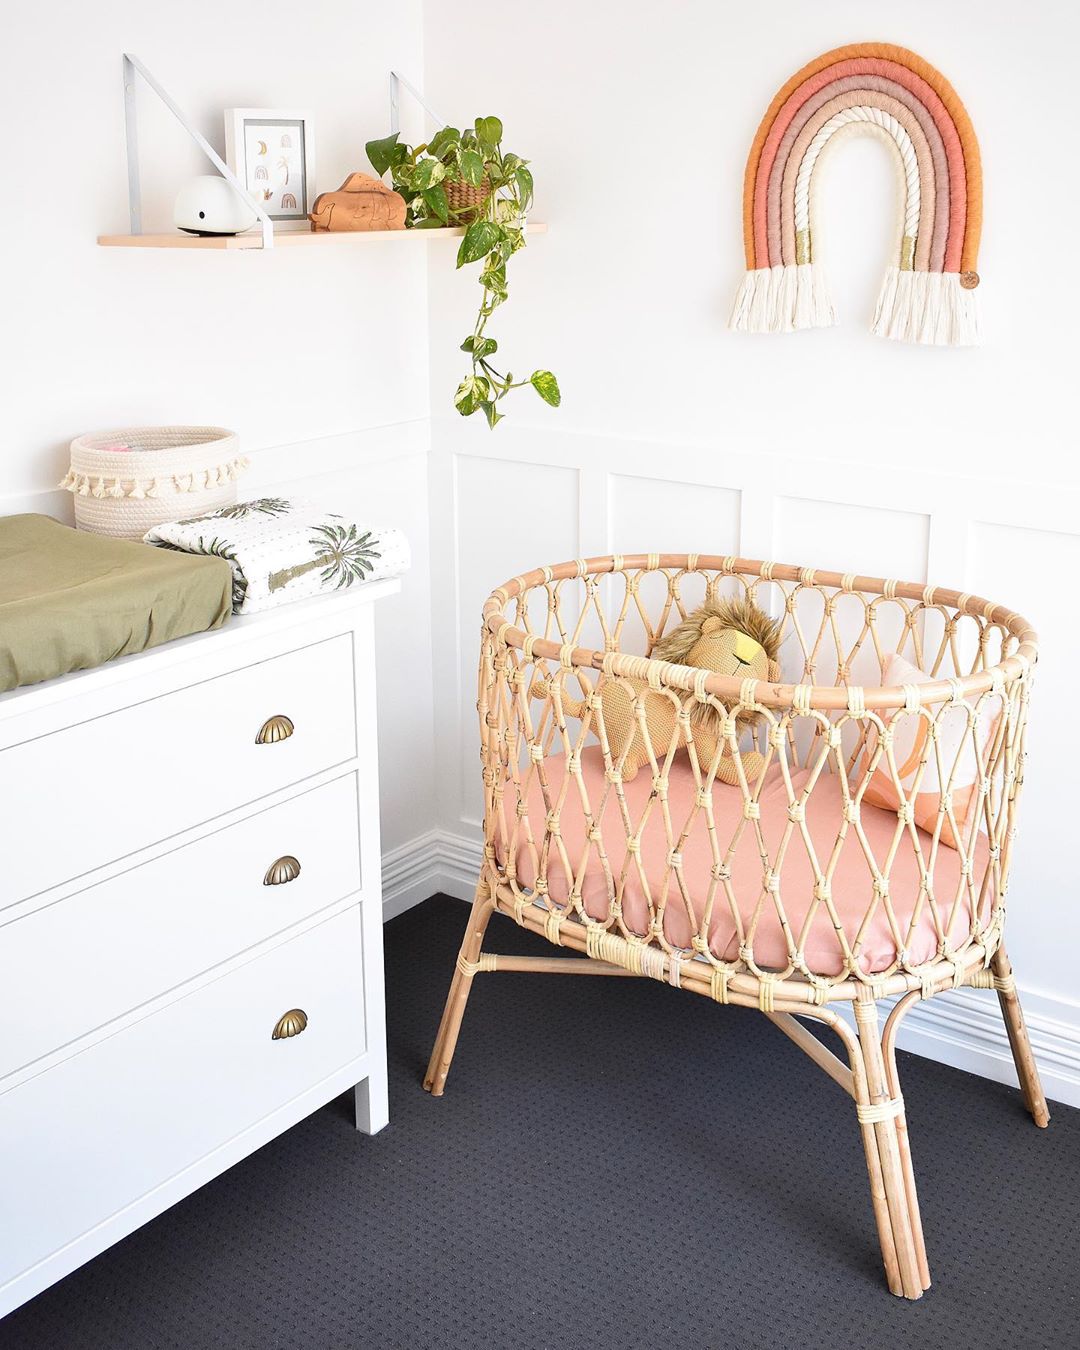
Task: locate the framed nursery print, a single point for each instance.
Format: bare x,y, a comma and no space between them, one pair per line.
272,152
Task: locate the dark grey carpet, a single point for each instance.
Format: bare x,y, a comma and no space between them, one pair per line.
579,1186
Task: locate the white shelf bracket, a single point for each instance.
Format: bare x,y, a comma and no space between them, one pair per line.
397,83
132,67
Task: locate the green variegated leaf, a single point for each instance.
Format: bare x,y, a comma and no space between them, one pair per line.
489,131
427,173
547,386
480,238
435,200
494,276
472,167
384,153
443,141
480,347
495,294
471,393
524,180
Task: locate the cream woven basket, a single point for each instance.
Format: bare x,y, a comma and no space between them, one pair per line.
172,472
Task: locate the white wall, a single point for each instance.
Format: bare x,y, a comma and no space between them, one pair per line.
829,448
317,359
826,448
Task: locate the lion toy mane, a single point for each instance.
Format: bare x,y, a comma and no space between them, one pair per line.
732,638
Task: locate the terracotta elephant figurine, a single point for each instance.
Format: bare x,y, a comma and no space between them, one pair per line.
360,203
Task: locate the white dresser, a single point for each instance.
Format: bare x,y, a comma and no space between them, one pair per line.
190,921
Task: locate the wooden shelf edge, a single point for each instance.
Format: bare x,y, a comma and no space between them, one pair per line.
284,239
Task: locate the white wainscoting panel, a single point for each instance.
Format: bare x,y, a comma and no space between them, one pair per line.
1036,571
661,515
510,517
869,538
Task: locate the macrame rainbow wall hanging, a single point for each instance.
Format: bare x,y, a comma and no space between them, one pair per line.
929,290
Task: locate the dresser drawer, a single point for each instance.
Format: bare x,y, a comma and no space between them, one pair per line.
74,965
91,793
85,1139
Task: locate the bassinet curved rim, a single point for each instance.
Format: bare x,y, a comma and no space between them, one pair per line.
729,689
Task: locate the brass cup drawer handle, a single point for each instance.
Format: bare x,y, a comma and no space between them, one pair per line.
282,870
276,728
291,1023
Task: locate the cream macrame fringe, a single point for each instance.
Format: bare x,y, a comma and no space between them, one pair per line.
783,299
96,485
928,307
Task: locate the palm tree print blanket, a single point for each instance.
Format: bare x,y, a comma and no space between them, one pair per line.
282,549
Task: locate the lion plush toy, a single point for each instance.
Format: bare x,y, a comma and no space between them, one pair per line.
726,637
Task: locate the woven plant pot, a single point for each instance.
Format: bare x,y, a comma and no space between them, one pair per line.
173,472
467,200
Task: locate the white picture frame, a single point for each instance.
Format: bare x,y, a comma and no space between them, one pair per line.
280,176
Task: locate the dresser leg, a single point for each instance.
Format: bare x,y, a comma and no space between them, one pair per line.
372,1104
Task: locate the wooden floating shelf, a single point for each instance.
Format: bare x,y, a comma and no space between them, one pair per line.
282,239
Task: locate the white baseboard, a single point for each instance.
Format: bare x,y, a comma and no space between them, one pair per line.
963,1029
435,863
460,859
410,874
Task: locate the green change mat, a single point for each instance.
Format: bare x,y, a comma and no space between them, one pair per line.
70,600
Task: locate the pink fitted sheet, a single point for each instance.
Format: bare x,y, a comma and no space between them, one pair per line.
852,878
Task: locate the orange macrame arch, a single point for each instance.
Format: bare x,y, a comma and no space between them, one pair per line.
900,55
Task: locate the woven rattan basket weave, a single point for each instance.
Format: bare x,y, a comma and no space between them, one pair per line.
170,473
466,201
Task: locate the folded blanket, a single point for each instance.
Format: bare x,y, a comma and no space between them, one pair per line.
286,549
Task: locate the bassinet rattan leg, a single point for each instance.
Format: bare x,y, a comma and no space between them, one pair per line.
888,1046
446,1040
1019,1041
878,1111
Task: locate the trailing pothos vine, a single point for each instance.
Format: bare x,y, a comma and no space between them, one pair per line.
466,178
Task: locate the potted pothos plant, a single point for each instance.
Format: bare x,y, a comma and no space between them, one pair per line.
467,178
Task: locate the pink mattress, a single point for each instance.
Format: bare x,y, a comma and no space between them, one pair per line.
852,881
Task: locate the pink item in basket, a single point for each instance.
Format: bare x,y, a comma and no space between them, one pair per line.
117,447
851,877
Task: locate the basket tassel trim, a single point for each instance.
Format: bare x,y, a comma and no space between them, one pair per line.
98,485
928,294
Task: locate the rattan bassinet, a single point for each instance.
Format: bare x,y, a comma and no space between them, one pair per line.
787,892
